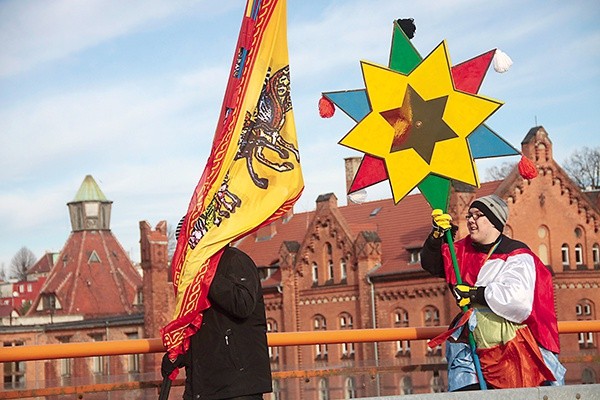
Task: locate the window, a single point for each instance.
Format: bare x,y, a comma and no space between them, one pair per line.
330,270
584,310
329,260
565,256
347,348
315,273
97,362
94,258
273,351
14,372
345,321
29,288
133,360
586,340
64,363
406,386
596,255
49,302
402,348
415,256
343,271
400,318
319,323
349,388
588,376
578,254
431,316
323,389
437,383
276,394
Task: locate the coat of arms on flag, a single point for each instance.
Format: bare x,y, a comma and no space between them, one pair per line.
252,175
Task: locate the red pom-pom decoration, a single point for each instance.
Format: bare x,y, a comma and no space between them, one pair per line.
527,168
326,107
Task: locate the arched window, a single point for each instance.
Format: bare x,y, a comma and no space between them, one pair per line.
596,255
315,273
564,251
320,323
584,311
329,261
578,254
343,270
431,316
276,394
406,386
588,376
400,316
323,389
349,388
347,348
437,383
273,351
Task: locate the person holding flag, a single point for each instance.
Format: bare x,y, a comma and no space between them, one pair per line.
228,357
510,300
252,177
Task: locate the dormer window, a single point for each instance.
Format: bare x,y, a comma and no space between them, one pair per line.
49,301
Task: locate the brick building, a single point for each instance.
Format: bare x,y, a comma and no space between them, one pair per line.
358,266
337,267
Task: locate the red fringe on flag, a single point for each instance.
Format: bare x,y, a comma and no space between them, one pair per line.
527,168
326,107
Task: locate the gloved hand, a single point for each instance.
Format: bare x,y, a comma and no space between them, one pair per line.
168,367
441,222
465,295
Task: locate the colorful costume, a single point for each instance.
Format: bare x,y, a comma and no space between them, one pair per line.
513,321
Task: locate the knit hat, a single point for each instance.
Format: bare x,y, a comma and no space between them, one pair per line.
494,208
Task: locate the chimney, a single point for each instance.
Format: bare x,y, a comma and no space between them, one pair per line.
351,164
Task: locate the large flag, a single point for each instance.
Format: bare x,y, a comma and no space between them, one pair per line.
252,175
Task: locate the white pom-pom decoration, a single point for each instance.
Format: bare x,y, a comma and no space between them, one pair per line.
501,61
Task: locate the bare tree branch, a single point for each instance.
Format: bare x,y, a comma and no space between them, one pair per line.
20,263
583,166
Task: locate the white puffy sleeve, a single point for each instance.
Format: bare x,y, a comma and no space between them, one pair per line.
510,286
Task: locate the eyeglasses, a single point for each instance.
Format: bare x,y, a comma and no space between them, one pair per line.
475,216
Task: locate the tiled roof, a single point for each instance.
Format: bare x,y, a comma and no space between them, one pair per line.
93,276
400,227
43,265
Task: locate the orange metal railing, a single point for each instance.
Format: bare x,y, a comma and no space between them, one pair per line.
139,346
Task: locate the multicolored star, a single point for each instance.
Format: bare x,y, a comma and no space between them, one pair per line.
420,122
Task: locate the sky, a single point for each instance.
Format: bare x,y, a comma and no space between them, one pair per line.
130,91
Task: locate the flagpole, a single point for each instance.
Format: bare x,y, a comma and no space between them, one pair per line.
472,344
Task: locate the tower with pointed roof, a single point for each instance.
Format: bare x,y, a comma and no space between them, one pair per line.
93,275
90,209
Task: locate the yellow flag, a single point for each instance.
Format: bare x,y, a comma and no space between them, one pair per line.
253,174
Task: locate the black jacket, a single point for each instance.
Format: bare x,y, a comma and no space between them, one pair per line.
228,356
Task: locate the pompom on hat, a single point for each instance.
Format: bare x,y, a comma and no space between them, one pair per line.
494,208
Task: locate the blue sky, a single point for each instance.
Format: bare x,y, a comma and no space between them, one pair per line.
130,91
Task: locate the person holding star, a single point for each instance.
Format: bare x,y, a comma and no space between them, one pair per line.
508,294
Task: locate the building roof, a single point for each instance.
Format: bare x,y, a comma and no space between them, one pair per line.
89,191
93,276
43,265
